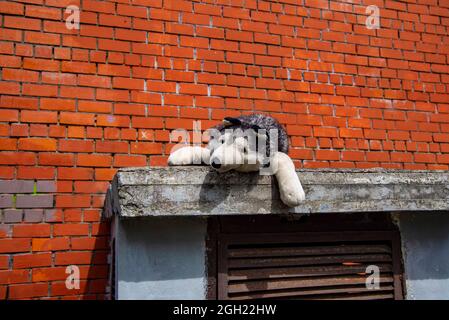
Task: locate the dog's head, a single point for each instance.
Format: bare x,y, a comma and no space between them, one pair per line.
237,145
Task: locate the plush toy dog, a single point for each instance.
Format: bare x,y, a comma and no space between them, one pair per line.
248,143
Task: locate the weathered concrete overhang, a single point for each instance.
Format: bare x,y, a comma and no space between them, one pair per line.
187,191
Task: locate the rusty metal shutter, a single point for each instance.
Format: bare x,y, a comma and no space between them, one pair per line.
315,265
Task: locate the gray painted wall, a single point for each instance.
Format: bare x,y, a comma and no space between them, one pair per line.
425,247
161,258
167,256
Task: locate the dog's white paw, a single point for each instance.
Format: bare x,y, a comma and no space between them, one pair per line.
293,196
181,157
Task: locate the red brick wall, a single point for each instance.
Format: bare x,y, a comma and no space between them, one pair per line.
77,104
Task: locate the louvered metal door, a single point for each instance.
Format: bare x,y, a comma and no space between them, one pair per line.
308,265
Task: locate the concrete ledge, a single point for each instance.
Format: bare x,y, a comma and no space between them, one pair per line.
195,190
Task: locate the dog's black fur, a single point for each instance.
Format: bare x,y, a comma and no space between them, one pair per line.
258,121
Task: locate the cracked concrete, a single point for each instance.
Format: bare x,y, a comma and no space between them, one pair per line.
198,191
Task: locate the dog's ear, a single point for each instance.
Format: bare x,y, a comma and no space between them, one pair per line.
228,121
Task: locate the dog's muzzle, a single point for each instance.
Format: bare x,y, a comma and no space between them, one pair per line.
215,163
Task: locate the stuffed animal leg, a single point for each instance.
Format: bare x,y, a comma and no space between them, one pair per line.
290,187
189,155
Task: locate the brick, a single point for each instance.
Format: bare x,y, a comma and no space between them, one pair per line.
352,156
22,23
6,201
94,160
73,258
128,109
34,215
443,158
4,262
9,88
401,157
18,102
129,161
13,276
301,154
34,201
5,231
51,244
111,147
38,116
20,75
76,92
76,145
223,91
7,172
350,133
104,174
14,158
324,132
268,61
49,274
38,130
60,289
91,187
8,144
71,229
8,7
193,89
100,229
76,118
94,106
424,158
56,159
9,61
19,130
32,260
359,123
93,215
14,245
441,137
38,173
12,216
327,155
43,12
126,10
208,32
24,291
42,38
378,156
78,67
113,121
57,104
146,148
37,144
16,186
86,243
31,231
45,186
75,173
72,201
75,132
